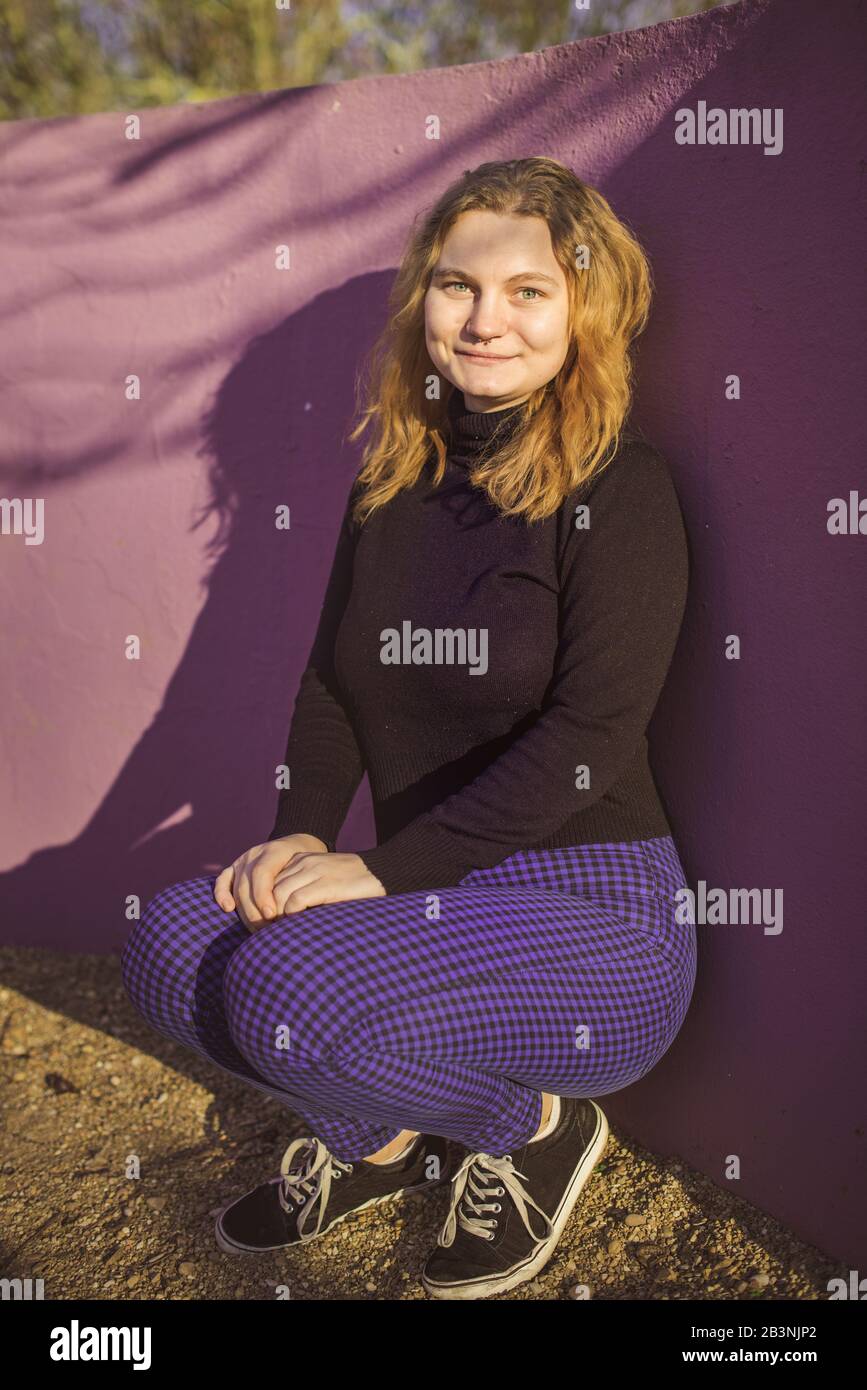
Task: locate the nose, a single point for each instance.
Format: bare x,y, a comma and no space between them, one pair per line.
486,321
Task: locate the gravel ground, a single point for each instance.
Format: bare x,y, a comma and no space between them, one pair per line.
85,1083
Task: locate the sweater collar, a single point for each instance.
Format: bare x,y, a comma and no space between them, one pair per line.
470,431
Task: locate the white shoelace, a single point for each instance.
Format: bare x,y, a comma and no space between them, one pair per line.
476,1173
307,1180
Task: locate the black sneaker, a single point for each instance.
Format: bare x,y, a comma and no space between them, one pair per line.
278,1213
486,1247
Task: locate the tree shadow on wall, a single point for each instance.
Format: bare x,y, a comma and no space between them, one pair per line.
199,785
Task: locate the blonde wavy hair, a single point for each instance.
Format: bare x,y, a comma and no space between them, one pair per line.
570,428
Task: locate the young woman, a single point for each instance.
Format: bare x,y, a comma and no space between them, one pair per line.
506,594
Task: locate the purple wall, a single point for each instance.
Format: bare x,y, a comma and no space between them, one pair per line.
156,258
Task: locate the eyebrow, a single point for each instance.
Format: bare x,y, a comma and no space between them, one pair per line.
522,275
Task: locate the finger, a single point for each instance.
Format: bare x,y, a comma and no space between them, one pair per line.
310,894
262,886
222,889
244,896
301,863
295,891
292,877
285,903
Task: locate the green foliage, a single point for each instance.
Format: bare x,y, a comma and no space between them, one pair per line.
68,57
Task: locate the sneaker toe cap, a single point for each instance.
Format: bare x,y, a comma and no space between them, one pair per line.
446,1267
255,1219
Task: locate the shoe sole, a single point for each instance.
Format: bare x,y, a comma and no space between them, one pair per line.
529,1268
231,1248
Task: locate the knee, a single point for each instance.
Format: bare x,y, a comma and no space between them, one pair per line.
158,924
154,947
297,1003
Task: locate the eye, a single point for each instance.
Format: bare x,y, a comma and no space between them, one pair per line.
525,289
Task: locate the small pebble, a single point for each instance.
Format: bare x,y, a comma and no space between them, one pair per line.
187,1269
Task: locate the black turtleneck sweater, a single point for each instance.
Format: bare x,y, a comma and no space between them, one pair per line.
522,667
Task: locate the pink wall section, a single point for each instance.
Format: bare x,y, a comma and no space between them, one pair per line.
156,258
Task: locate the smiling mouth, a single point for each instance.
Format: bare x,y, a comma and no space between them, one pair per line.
483,356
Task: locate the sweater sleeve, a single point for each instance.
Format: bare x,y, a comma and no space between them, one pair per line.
623,584
322,754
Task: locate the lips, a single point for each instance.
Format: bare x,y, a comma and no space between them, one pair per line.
483,356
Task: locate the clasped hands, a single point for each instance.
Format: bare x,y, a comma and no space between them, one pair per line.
286,875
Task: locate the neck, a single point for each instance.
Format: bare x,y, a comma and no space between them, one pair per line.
471,432
481,405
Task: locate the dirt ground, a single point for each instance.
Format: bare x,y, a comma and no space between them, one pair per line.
85,1083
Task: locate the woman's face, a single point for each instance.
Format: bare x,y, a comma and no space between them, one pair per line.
496,310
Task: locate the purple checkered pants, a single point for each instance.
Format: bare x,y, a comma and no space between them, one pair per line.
447,1011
